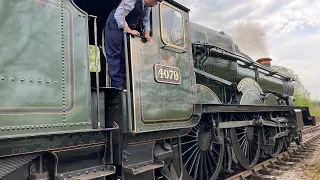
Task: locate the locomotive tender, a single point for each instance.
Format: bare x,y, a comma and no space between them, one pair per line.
194,105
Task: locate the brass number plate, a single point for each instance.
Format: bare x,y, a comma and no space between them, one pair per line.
167,74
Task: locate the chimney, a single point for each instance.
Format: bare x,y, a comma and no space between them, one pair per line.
265,61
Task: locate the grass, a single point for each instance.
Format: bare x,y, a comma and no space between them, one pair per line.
315,111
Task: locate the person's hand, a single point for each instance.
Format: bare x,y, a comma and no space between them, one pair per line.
147,36
133,32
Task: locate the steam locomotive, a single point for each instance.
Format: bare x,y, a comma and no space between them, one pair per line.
194,106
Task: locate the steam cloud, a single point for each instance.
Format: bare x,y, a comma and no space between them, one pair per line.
251,40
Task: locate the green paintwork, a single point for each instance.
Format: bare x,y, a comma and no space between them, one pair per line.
265,82
215,87
157,103
271,100
271,83
250,92
36,68
231,70
206,96
251,97
248,84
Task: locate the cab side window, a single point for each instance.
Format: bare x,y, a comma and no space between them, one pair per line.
172,26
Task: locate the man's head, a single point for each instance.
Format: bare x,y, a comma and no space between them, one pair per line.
151,3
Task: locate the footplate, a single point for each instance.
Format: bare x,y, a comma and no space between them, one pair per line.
135,169
88,173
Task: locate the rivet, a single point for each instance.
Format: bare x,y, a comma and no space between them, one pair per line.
48,82
3,129
55,82
2,78
39,81
12,79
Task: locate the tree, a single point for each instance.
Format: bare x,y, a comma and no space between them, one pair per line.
93,60
301,94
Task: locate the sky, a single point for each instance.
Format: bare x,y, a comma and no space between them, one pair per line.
288,31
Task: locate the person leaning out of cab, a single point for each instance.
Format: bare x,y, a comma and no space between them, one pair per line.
126,16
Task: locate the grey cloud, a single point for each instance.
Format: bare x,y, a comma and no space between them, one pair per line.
291,29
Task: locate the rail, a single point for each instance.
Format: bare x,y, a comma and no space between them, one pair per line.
269,168
310,129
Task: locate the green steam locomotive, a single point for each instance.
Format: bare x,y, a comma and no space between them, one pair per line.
194,107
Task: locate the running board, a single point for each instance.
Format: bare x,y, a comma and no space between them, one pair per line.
88,173
137,169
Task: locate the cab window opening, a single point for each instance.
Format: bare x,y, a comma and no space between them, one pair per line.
172,26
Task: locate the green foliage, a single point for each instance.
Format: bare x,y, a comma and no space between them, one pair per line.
92,59
301,94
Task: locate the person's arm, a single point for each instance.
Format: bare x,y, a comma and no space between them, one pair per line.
146,24
124,8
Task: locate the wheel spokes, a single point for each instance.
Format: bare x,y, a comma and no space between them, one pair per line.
245,142
278,144
201,160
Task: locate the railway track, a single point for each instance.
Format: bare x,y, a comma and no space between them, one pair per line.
309,130
271,168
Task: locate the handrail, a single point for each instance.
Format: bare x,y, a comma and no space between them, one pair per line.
227,53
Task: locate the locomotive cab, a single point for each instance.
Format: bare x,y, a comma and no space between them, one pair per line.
160,90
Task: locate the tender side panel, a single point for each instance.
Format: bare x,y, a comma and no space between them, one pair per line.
44,73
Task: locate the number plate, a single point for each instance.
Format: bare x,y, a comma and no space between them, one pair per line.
167,74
